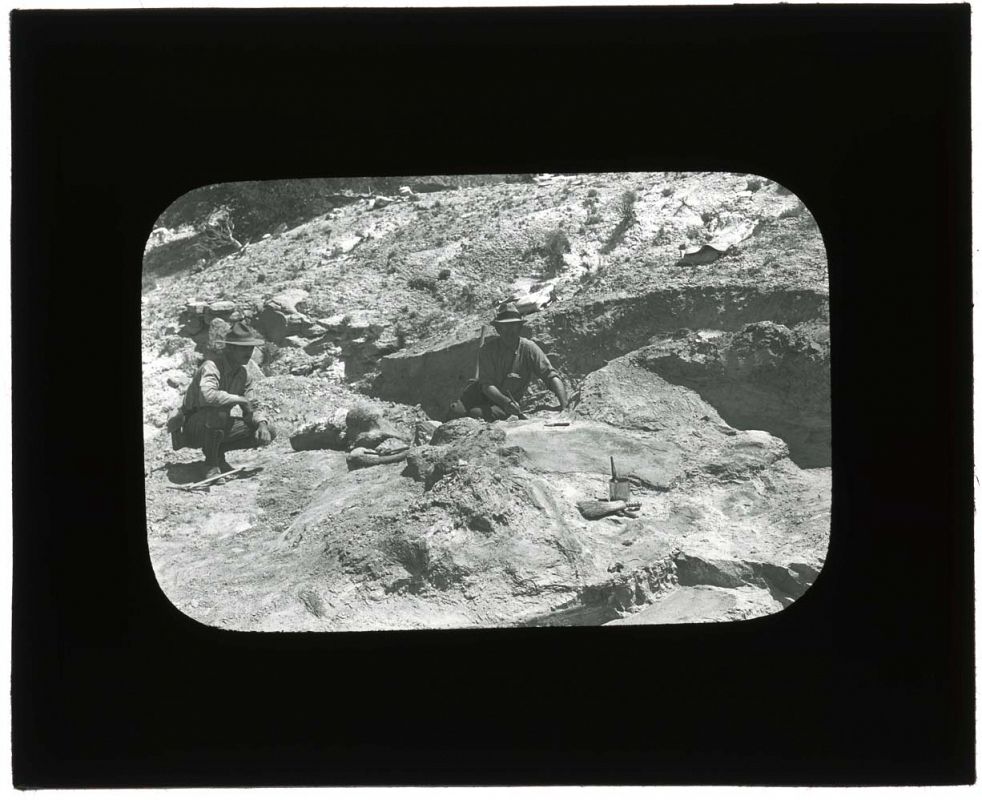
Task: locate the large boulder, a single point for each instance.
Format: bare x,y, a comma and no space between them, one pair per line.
276,325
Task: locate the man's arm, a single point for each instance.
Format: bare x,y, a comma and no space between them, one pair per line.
559,389
253,415
548,374
211,395
500,399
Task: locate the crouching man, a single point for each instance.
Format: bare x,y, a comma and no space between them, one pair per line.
221,383
506,365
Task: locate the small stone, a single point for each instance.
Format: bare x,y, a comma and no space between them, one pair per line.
334,323
291,301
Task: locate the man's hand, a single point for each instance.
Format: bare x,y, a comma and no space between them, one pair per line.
503,401
262,434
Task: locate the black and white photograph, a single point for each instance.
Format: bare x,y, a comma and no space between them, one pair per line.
456,401
492,397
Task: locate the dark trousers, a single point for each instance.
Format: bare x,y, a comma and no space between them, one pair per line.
216,431
474,403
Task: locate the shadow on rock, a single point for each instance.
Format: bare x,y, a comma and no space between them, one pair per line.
182,473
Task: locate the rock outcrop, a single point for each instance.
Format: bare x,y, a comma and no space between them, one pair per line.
765,376
582,337
487,530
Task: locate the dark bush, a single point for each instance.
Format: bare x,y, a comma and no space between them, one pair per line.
556,246
625,205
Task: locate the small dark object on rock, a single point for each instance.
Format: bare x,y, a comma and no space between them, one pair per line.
391,446
595,509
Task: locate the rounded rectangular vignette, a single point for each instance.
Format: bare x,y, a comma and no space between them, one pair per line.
459,401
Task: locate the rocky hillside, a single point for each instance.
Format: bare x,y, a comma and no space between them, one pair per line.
687,311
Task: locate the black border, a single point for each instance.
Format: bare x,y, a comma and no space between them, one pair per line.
862,111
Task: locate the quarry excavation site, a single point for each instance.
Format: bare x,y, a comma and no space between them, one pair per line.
687,314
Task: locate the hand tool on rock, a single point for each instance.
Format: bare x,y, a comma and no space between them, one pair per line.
516,408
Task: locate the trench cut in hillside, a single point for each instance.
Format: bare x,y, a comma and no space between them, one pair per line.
759,358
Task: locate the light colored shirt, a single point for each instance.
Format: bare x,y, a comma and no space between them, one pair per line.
496,366
214,384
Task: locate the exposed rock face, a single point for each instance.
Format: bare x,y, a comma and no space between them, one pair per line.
763,376
435,378
583,337
625,396
704,604
485,528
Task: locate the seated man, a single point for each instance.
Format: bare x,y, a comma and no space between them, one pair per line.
506,366
219,384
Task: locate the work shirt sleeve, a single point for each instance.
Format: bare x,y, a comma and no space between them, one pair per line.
248,391
209,386
541,365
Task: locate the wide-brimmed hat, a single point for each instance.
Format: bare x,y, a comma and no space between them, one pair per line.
507,313
241,334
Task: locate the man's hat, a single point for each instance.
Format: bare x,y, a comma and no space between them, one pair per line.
507,313
242,334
